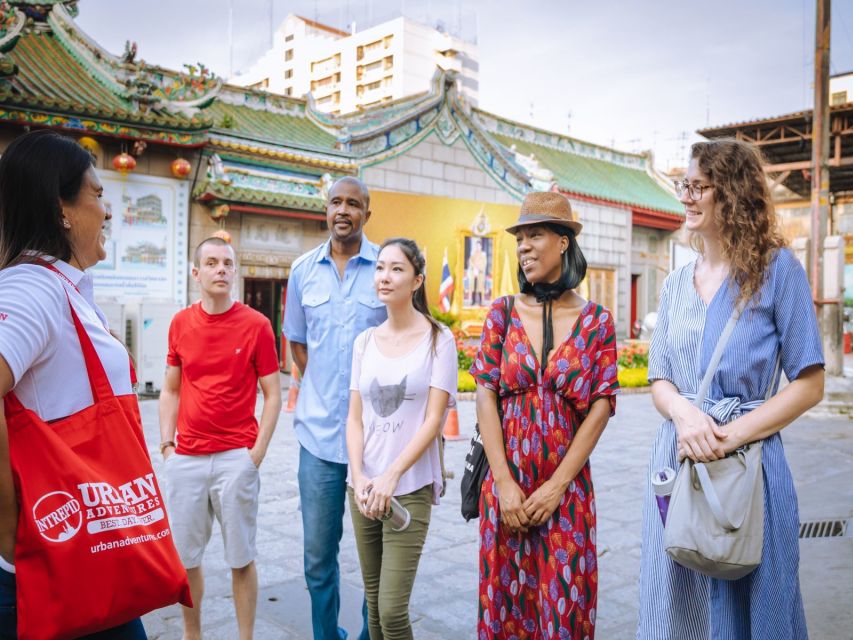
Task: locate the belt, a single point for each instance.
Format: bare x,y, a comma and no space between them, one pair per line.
726,409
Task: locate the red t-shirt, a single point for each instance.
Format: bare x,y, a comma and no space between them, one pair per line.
221,358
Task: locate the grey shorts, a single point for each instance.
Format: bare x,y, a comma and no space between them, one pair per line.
223,485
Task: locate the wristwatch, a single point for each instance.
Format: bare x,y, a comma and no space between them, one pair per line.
165,445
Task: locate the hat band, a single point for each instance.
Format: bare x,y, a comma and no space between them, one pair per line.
529,218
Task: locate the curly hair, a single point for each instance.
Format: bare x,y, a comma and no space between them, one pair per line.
746,219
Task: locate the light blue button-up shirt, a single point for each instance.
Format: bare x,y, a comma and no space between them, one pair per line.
326,313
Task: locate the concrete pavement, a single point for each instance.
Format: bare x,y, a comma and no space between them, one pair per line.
444,601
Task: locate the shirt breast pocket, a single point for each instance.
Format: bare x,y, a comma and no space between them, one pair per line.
373,311
317,314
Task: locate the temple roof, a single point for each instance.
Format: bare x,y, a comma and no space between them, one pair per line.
274,151
54,75
597,178
260,117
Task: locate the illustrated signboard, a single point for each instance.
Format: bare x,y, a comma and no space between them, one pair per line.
146,238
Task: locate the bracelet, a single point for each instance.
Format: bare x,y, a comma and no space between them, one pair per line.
165,445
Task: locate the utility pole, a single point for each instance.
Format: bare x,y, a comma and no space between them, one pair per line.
827,309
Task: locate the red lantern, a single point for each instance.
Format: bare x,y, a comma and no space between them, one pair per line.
124,162
222,234
181,168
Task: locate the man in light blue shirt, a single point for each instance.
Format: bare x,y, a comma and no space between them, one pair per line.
330,300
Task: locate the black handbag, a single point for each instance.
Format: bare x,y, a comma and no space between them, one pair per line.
476,462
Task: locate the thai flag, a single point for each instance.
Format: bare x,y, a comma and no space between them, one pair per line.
445,290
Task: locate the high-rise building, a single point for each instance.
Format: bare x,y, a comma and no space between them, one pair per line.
345,72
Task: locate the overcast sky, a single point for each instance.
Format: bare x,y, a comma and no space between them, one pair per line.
630,74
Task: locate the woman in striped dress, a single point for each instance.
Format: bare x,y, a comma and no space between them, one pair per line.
742,256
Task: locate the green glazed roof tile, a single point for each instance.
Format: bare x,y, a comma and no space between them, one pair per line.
598,178
231,193
49,77
278,128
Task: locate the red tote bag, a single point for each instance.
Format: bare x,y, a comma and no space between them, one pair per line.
93,547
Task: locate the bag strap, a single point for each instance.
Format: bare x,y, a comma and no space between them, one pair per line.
88,352
507,319
708,489
718,354
710,493
509,305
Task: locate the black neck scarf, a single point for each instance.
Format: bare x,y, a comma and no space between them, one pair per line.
546,293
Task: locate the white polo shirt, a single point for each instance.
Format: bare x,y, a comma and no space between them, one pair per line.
40,344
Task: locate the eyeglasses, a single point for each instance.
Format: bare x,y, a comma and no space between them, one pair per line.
695,191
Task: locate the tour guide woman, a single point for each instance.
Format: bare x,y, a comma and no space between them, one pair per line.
542,404
52,223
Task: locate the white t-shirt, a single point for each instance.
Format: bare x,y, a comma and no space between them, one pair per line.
40,344
394,394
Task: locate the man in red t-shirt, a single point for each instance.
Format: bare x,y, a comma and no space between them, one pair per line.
219,350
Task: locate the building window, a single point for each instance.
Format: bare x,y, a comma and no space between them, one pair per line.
263,84
373,46
387,40
288,37
288,91
327,65
288,73
373,85
389,62
359,52
839,97
373,66
288,55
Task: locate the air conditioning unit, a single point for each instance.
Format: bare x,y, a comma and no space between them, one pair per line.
147,331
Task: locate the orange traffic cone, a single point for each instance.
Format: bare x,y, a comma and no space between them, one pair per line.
451,425
293,391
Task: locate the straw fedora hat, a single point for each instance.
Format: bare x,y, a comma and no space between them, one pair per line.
541,207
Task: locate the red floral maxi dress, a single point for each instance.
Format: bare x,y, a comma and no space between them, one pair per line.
542,584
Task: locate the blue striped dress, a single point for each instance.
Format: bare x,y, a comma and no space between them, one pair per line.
680,604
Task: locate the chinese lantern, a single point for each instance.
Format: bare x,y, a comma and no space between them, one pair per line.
181,168
124,163
223,234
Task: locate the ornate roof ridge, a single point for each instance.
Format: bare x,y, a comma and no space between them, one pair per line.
248,144
142,85
262,100
84,49
560,142
364,124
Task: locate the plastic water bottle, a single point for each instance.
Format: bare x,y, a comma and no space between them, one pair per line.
663,482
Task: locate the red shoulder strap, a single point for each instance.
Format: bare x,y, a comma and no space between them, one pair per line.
98,380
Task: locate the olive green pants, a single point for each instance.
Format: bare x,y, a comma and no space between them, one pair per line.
389,561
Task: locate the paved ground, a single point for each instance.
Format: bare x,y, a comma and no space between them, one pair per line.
444,601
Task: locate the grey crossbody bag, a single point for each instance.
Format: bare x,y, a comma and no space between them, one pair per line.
715,522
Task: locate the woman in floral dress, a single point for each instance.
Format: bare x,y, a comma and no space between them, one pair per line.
542,406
